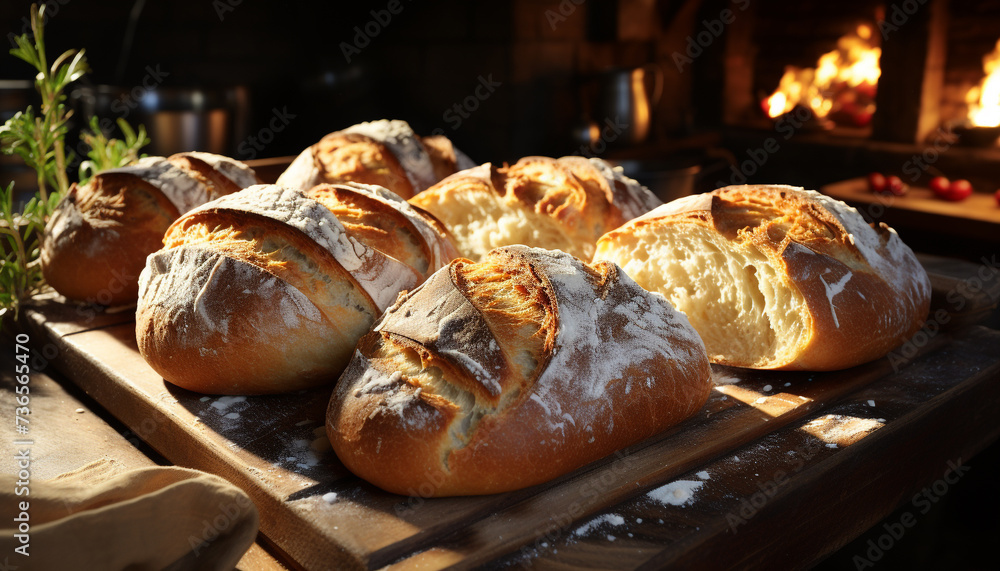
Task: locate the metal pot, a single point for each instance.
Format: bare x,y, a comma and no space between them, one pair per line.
177,119
625,99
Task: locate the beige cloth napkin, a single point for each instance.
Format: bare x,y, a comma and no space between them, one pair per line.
149,518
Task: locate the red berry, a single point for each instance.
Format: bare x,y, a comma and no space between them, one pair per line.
876,182
895,185
939,185
997,196
958,190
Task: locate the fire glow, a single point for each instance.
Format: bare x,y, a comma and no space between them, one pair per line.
841,87
984,99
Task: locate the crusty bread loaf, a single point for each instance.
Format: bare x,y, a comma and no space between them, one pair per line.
384,153
97,240
267,291
558,204
497,375
777,277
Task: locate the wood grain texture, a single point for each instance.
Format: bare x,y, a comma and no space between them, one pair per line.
978,207
69,433
324,518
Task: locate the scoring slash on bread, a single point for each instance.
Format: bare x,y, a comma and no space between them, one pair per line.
777,277
559,204
97,240
267,290
386,153
506,373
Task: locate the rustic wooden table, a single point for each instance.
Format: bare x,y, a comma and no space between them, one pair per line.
777,471
68,430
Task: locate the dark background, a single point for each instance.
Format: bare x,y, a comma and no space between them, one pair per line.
251,58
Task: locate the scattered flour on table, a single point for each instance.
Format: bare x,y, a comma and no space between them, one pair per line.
676,493
612,519
222,403
301,454
724,379
703,475
330,497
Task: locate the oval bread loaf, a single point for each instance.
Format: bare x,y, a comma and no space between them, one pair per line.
267,290
777,277
386,153
97,240
498,375
559,204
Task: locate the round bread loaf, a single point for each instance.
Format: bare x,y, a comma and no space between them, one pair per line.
267,290
506,373
97,240
559,204
386,153
777,277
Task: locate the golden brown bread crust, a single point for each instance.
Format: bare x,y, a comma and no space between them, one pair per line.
382,153
346,157
97,240
237,340
565,204
389,225
447,160
507,373
266,291
221,175
98,237
862,291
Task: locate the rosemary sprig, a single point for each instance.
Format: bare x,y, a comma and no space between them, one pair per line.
39,140
108,153
21,271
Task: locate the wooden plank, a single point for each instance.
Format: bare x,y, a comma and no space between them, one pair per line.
70,432
268,170
65,317
979,207
972,225
270,447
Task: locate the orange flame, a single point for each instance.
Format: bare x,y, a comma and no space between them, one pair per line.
836,81
984,100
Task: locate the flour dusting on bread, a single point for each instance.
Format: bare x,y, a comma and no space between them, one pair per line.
404,144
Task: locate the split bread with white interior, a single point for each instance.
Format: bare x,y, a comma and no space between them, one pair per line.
557,204
386,153
99,235
510,372
268,290
777,277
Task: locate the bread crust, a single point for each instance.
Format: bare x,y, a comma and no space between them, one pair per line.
266,291
98,237
435,398
221,175
864,290
383,153
253,334
565,203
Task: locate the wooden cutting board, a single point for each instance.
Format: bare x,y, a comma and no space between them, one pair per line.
613,513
